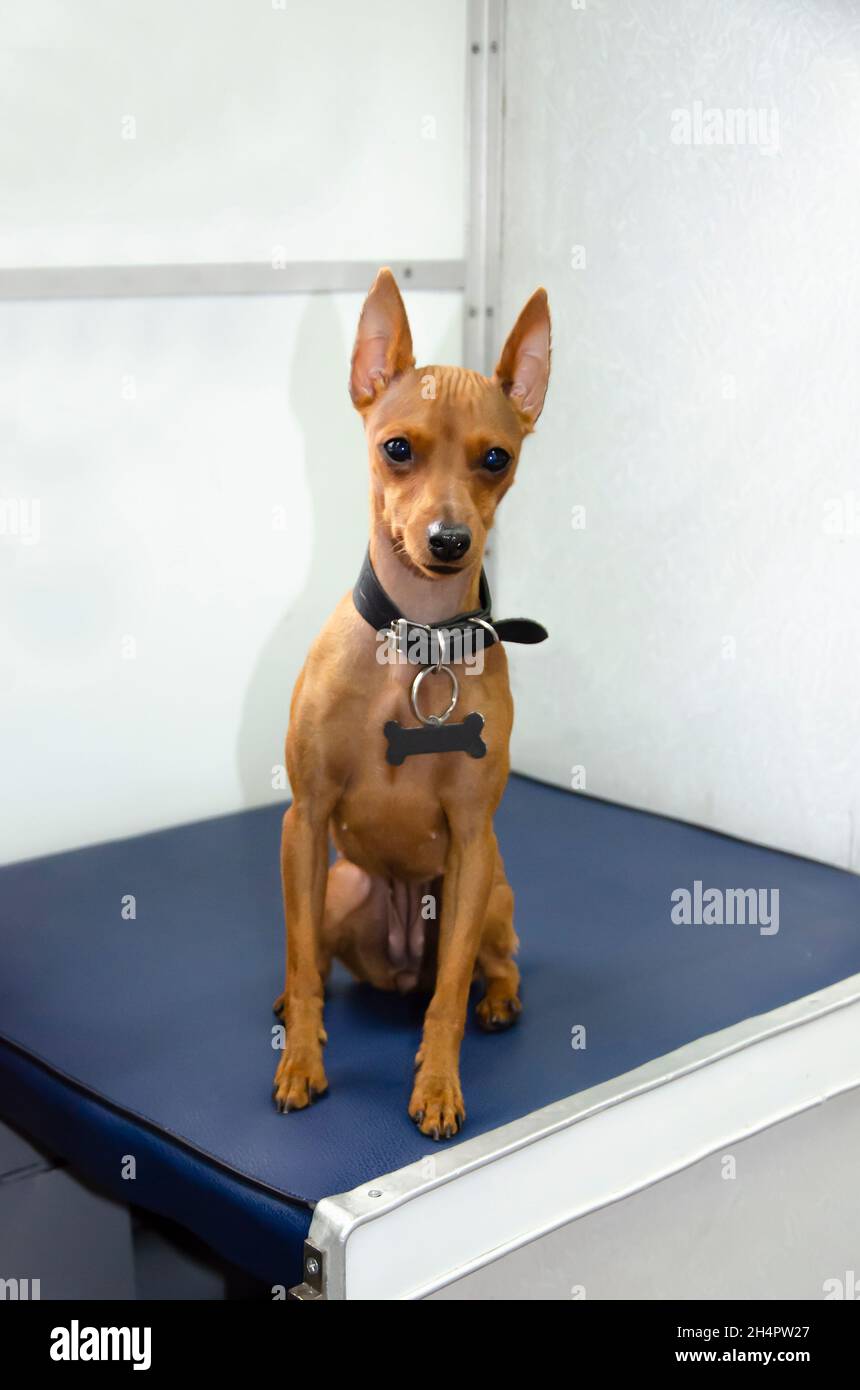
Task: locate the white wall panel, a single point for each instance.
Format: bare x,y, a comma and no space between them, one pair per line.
200,487
704,410
222,130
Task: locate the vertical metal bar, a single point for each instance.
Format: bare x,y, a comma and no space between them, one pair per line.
485,111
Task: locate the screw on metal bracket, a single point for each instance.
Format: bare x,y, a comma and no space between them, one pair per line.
312,1286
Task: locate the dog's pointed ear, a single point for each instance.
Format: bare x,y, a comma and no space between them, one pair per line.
522,371
383,343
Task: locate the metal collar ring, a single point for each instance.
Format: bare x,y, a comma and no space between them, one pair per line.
416,686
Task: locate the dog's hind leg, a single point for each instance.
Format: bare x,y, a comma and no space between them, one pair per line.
500,1007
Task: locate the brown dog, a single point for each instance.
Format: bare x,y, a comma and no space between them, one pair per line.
443,445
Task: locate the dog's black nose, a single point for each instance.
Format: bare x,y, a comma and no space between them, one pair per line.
448,540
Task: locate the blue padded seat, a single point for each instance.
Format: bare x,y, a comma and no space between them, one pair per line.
152,1037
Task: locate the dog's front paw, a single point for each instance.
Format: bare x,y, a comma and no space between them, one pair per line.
299,1079
437,1104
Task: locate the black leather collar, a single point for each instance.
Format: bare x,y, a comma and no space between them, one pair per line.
376,608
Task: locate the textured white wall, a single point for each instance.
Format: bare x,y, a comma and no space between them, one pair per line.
704,411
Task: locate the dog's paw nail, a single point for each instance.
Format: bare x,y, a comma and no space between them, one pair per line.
461,1119
434,1133
418,1117
450,1131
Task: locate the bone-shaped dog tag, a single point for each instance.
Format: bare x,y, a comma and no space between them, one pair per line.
435,738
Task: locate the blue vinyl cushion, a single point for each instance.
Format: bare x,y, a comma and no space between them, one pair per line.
152,1037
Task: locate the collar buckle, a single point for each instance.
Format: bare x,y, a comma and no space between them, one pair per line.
398,631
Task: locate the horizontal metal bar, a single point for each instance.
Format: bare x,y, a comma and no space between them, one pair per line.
150,281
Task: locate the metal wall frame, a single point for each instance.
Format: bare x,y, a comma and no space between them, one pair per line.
154,281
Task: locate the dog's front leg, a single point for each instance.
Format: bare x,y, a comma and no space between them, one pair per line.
300,1076
437,1100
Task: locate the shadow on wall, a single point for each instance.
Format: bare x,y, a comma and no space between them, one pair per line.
336,475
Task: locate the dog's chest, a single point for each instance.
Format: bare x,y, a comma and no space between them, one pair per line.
392,828
392,818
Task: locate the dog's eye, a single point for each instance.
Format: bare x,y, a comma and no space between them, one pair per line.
398,449
496,460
